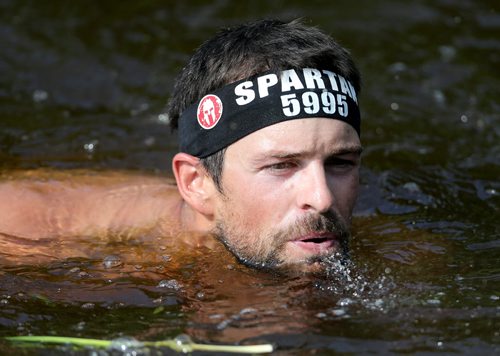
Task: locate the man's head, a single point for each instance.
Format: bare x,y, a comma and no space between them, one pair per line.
278,192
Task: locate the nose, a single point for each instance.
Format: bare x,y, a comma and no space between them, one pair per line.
314,192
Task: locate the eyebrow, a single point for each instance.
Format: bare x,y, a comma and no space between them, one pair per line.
357,149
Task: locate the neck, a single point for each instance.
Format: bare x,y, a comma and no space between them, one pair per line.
197,225
192,220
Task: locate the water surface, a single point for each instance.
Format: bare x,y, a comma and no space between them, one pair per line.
84,87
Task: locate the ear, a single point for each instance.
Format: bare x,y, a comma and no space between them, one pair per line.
194,184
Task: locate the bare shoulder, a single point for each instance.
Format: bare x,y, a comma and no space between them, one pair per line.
46,204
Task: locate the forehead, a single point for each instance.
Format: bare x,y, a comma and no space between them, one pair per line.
312,136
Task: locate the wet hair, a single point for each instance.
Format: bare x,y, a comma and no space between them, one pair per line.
240,52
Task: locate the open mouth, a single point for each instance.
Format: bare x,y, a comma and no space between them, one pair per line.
317,240
317,237
316,243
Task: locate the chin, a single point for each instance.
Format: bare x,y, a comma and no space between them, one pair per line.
315,267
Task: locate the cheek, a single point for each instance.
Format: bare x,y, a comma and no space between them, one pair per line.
345,190
259,202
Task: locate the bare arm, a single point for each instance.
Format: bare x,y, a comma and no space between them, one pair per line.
37,211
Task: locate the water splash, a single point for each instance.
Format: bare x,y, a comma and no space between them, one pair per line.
354,288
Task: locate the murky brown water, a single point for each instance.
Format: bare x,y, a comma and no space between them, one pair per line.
84,87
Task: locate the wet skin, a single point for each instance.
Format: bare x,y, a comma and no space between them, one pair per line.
53,215
288,191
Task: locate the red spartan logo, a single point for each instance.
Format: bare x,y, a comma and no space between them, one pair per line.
209,111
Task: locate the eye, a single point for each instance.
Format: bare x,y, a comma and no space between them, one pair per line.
281,166
340,164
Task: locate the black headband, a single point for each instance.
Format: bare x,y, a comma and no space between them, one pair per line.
240,108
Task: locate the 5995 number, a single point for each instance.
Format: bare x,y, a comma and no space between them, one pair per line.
328,102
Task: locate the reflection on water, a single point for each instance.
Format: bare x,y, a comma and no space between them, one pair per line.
84,87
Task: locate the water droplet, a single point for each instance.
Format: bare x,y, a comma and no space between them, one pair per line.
338,312
90,146
494,297
247,311
397,67
83,274
80,326
491,191
447,53
379,303
112,261
439,97
124,344
149,141
223,324
464,119
215,316
164,119
74,270
183,343
141,108
344,302
40,95
171,284
412,187
88,306
166,258
433,301
200,295
4,302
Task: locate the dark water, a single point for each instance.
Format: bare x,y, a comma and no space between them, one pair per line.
83,85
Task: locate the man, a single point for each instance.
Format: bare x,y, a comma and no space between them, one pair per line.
269,157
